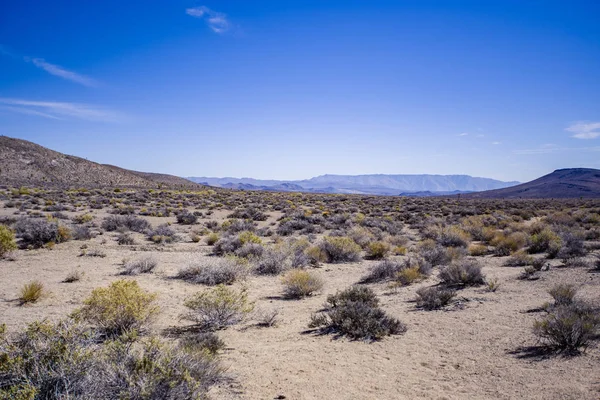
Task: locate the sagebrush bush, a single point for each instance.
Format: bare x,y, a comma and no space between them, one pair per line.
125,222
186,218
203,341
143,265
377,250
568,327
340,249
213,271
162,234
545,241
355,313
273,261
432,252
433,298
453,236
123,306
125,239
67,360
7,240
300,283
519,259
37,232
31,292
211,239
217,308
477,250
462,273
563,294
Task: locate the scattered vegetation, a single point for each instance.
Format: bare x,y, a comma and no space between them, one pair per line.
300,283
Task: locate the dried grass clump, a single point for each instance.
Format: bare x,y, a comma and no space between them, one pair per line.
31,292
377,250
7,240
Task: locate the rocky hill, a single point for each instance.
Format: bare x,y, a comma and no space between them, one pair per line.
562,183
27,163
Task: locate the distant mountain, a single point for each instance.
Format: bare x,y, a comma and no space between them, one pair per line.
562,183
366,184
27,163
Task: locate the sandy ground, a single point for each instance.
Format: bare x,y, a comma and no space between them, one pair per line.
470,351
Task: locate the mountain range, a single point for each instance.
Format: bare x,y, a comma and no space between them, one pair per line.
379,184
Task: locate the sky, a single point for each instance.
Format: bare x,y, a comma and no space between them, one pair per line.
294,89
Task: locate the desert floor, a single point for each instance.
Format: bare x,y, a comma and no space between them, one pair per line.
477,349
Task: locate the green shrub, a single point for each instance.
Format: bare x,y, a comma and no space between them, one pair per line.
340,249
31,292
121,307
212,239
299,283
355,313
217,308
7,240
545,241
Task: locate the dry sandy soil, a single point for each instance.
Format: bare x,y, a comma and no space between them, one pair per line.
474,350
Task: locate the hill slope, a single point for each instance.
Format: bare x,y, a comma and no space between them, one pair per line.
562,183
365,184
27,163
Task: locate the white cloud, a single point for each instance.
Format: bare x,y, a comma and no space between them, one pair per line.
585,130
463,134
60,110
216,21
61,72
551,148
496,143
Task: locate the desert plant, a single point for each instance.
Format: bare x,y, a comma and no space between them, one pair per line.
355,313
273,261
433,298
125,222
31,292
162,234
545,241
186,218
377,250
213,272
73,276
143,265
211,239
125,239
492,285
432,252
477,250
299,283
563,294
519,259
407,276
463,273
123,306
568,327
340,249
81,232
217,308
37,232
7,240
203,341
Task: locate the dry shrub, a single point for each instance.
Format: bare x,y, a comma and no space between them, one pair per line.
433,298
125,222
506,245
143,265
478,250
563,294
377,250
211,239
214,271
408,276
463,273
7,240
355,313
432,252
299,283
123,306
340,249
568,327
273,261
519,259
217,308
73,276
545,241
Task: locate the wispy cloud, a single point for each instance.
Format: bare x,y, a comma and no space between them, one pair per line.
552,148
463,134
216,21
496,143
60,110
52,69
61,72
585,130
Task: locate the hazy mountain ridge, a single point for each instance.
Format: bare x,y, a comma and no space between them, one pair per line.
365,184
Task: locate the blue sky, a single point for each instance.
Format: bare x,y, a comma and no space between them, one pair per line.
294,89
